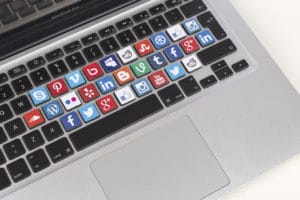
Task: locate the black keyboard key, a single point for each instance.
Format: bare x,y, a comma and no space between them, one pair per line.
5,113
15,127
58,68
21,104
18,170
208,81
9,19
173,3
92,53
2,158
22,85
38,160
193,8
209,21
73,46
158,23
3,137
37,62
17,71
43,4
3,78
142,30
189,86
40,76
240,66
18,5
141,16
107,31
224,73
217,52
219,66
33,140
59,150
5,93
53,55
109,45
137,111
126,38
157,9
171,95
75,60
5,182
27,11
124,23
174,16
14,149
4,11
52,131
90,39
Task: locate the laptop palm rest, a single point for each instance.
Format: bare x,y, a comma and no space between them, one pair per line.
172,162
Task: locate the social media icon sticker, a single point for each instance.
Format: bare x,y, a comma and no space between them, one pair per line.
106,84
125,95
89,112
127,55
123,75
110,63
144,47
88,92
52,109
157,60
70,101
140,68
34,118
158,79
175,71
160,40
189,45
142,87
205,38
92,71
192,26
176,32
75,79
57,87
39,95
191,63
70,121
107,104
173,53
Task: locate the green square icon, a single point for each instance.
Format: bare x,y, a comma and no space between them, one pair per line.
140,68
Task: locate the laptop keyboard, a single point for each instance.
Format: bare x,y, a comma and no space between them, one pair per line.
64,101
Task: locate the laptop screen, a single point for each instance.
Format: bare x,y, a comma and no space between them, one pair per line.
54,24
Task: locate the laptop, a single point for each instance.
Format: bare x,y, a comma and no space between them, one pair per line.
137,99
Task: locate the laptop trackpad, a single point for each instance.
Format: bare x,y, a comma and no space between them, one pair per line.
172,162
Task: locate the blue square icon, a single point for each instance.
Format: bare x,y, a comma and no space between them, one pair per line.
191,26
173,53
106,84
142,87
53,109
205,38
160,40
39,95
89,112
175,71
70,121
157,60
110,63
75,79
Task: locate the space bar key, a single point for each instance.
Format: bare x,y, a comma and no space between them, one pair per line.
105,127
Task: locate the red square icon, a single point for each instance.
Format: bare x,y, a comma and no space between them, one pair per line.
88,93
34,118
158,79
107,104
189,45
58,87
144,47
92,71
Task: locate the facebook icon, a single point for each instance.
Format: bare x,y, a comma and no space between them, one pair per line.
70,121
157,60
173,53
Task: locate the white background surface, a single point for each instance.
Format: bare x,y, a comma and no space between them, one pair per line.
277,25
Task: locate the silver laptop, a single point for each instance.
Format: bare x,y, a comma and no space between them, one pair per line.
141,99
